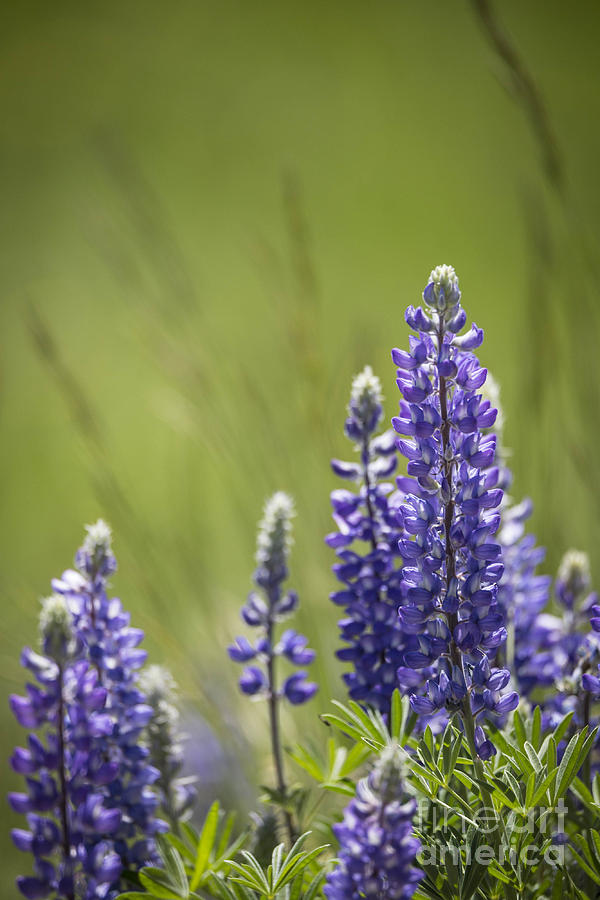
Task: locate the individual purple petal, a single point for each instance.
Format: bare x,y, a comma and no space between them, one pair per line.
252,680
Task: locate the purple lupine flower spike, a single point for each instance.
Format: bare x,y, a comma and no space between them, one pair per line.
71,829
574,649
264,610
450,518
590,682
371,577
522,592
112,646
377,846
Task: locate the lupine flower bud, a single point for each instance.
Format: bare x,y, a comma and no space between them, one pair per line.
56,628
377,847
442,293
274,539
95,556
366,399
573,577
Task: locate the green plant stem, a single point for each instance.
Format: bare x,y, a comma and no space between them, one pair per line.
276,740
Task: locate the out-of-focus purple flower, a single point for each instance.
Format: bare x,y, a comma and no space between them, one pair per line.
377,846
265,609
366,544
253,681
571,652
297,689
165,741
112,646
522,592
450,513
71,830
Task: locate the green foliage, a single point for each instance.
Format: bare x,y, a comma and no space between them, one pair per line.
290,876
190,860
470,850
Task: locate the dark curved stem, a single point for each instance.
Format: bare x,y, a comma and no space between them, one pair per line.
526,89
62,778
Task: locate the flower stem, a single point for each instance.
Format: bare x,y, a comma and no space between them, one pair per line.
455,653
276,738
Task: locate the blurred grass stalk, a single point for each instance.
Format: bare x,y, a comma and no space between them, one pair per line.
560,359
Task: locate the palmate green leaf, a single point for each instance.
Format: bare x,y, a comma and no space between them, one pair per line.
314,886
584,859
596,788
367,725
280,874
595,846
517,756
174,866
223,848
158,883
342,763
342,725
519,729
557,887
309,762
182,847
536,728
135,895
544,786
574,755
205,844
532,756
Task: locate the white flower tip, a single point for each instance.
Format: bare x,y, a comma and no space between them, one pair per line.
98,537
55,623
366,389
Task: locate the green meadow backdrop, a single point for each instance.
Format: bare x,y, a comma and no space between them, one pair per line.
212,215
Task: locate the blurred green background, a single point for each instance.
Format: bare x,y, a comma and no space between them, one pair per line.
213,214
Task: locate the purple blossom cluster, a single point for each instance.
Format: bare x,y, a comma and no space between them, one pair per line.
267,607
523,593
366,544
94,774
377,846
71,829
450,518
568,652
112,646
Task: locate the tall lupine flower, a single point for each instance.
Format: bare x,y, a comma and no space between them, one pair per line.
377,846
370,573
112,646
70,830
165,742
450,514
263,610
